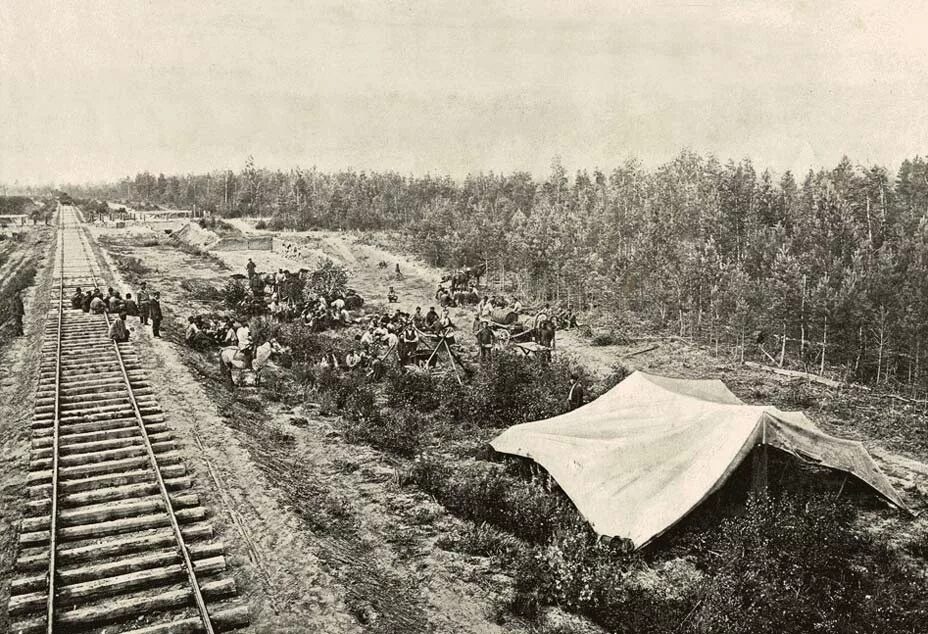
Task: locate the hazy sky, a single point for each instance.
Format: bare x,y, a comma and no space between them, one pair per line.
92,90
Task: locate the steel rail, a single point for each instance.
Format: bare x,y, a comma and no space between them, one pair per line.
178,536
53,523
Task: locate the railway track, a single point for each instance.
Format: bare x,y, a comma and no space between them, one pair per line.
112,539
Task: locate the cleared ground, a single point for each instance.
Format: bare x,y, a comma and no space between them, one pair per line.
336,544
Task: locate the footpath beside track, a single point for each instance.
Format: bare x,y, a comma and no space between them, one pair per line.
112,540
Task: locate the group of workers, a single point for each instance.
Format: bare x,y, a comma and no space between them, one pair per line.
147,308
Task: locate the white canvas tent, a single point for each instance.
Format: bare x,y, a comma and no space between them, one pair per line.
639,458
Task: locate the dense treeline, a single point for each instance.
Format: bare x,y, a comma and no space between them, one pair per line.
827,272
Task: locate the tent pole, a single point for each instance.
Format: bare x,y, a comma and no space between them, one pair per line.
451,361
759,469
841,488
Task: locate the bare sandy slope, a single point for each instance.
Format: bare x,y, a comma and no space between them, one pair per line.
20,360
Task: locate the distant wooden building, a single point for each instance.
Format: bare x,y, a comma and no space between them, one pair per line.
13,220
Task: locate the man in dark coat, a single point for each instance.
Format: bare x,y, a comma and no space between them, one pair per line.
155,314
131,308
18,311
575,396
144,302
431,318
485,339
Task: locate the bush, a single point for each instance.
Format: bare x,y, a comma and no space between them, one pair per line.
604,339
482,492
483,540
512,389
329,280
132,268
399,432
794,566
261,225
421,391
234,293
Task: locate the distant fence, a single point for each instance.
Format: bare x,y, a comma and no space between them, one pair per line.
244,244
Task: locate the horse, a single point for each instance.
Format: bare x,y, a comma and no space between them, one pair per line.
444,298
462,298
543,333
232,358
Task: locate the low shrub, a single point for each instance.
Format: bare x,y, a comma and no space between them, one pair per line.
607,338
399,432
604,582
796,565
132,268
483,540
19,281
203,290
261,224
234,293
482,492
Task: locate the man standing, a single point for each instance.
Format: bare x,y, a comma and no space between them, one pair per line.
154,308
18,310
575,396
118,330
250,267
485,339
144,303
409,342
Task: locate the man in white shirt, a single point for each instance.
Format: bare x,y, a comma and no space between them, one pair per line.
244,343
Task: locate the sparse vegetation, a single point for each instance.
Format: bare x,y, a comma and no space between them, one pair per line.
754,563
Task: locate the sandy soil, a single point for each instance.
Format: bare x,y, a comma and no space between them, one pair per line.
340,545
328,517
20,359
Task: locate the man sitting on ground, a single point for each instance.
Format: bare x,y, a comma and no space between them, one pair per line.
192,334
352,359
131,308
119,332
431,318
418,320
392,297
77,299
97,305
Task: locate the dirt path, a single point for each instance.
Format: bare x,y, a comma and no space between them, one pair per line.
20,360
339,541
280,575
